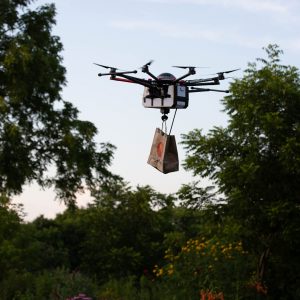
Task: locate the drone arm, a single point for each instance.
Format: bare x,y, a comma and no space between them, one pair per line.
132,79
151,75
117,73
210,81
121,79
195,90
145,69
190,72
205,81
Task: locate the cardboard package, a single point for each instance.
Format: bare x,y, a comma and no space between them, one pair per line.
163,155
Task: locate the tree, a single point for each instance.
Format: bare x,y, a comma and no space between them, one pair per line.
255,162
38,129
124,234
9,227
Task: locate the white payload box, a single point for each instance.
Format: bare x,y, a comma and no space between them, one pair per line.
167,96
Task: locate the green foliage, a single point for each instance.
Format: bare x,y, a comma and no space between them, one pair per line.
114,289
111,240
38,129
255,162
57,284
206,265
127,234
196,197
9,227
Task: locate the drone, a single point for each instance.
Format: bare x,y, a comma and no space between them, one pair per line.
165,91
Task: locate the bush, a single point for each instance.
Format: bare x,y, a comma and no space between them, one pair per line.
207,267
58,284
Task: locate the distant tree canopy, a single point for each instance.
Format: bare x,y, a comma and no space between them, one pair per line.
38,129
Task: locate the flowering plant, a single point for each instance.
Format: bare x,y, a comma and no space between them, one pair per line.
213,267
80,296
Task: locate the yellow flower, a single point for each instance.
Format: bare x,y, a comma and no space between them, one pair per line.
170,271
160,272
183,249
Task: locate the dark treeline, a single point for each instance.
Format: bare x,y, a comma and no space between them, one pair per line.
137,244
113,239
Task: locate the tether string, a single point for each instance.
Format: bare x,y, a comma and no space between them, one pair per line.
164,126
173,121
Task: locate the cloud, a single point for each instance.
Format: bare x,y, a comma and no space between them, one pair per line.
166,29
219,36
272,6
293,44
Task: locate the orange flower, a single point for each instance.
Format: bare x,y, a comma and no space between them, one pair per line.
203,295
211,295
260,288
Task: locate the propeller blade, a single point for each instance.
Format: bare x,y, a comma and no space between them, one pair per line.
188,67
145,66
182,67
149,63
106,67
226,72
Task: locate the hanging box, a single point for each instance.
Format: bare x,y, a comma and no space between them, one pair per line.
163,155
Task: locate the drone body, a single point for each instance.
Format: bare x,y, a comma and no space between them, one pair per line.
165,91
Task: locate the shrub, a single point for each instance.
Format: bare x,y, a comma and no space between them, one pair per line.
210,267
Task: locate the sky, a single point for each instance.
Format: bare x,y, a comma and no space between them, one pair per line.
218,35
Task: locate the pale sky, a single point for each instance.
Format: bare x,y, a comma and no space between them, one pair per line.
218,34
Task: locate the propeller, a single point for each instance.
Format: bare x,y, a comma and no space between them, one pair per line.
144,68
113,71
221,74
148,63
188,67
226,72
106,67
